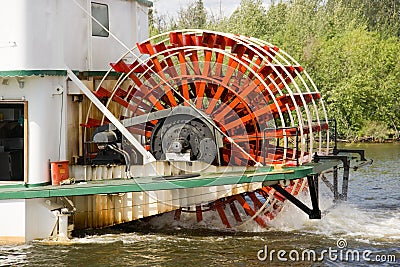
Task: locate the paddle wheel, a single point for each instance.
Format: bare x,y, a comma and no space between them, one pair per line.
222,99
261,205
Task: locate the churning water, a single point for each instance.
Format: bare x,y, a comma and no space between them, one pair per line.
367,225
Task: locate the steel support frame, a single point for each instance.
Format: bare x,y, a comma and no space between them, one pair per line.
314,212
337,196
346,174
361,152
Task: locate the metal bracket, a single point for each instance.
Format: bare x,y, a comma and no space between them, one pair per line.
361,152
315,212
346,174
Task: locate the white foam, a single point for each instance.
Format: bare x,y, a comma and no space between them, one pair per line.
13,255
340,220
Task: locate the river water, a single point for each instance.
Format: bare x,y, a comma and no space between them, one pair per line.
367,225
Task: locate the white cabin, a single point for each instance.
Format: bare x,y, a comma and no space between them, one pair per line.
40,109
39,40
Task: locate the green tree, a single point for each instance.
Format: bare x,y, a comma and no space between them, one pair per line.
194,16
159,24
248,19
357,72
381,15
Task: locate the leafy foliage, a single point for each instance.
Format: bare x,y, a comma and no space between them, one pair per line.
350,47
248,19
193,17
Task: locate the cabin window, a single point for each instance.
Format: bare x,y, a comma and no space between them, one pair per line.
100,13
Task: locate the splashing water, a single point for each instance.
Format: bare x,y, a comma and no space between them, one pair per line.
338,220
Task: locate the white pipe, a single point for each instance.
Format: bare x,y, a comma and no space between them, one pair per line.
62,227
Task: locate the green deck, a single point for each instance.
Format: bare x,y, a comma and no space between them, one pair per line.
139,184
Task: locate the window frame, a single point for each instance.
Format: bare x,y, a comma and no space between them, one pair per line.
102,32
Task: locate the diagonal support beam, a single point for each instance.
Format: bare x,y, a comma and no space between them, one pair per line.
315,212
147,156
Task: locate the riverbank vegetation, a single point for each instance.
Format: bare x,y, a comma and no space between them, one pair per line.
351,48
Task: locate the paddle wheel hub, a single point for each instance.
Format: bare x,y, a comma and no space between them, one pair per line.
183,137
